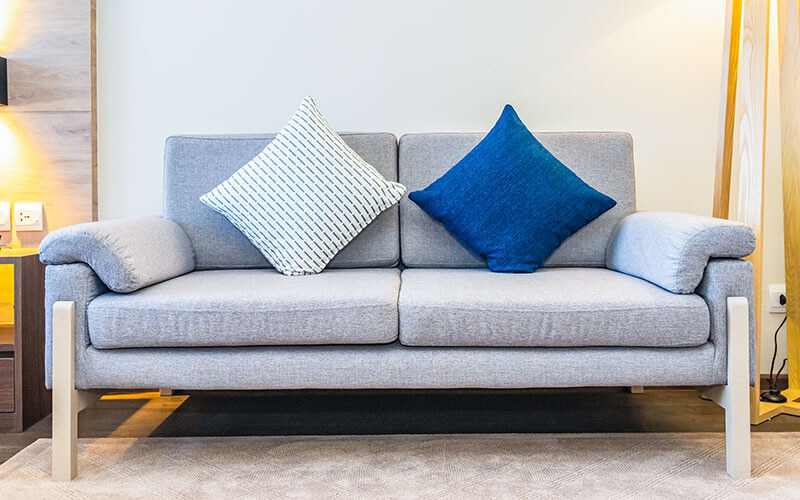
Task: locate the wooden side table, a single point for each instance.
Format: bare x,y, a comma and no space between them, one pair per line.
24,399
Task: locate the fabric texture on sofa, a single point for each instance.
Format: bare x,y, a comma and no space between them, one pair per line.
602,160
725,278
251,307
76,283
394,366
556,307
194,165
672,249
305,196
509,200
126,254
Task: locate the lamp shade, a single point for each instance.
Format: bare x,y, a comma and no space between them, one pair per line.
3,82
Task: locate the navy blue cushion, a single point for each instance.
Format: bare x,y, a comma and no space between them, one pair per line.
509,200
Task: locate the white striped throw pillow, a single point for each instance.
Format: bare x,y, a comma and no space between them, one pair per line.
305,196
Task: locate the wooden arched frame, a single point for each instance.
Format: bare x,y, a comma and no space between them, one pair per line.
741,156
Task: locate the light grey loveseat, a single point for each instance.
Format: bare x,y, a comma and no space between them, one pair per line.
186,302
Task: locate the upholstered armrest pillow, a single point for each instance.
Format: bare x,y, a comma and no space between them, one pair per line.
126,254
672,249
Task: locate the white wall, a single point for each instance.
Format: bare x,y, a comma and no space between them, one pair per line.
649,67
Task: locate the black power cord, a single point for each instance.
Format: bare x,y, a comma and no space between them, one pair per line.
773,395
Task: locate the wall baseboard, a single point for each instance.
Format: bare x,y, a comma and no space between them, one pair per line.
783,381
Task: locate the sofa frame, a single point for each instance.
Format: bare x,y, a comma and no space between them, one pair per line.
68,401
634,298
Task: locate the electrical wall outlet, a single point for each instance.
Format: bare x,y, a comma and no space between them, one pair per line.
775,294
28,216
5,216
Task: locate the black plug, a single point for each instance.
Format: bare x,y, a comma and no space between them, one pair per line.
773,396
782,299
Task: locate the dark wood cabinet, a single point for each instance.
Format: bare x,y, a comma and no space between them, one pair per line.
24,399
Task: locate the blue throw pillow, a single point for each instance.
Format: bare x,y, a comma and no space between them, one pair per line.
509,200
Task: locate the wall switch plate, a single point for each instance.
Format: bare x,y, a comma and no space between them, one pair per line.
5,216
28,216
775,292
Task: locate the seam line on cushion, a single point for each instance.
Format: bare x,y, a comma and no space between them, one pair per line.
419,343
371,343
451,265
217,311
550,311
417,339
257,137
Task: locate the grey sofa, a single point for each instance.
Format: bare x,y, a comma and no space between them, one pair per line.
186,302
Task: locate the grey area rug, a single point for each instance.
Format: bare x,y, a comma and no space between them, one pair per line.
529,466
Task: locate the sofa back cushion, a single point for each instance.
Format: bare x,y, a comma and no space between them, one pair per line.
604,160
193,165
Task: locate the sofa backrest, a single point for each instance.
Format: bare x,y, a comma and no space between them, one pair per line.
604,160
193,165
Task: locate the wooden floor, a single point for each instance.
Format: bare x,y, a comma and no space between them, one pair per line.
394,412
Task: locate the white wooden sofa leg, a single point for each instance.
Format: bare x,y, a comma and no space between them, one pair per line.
737,411
164,392
636,389
735,395
65,414
67,401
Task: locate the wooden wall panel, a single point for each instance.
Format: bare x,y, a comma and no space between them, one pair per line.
46,132
51,163
789,55
48,52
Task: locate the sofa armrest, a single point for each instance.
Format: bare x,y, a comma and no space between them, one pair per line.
672,249
125,254
725,278
74,283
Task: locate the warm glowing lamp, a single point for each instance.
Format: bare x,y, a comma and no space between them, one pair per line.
3,82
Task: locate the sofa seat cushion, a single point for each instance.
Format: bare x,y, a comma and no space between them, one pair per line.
554,307
252,307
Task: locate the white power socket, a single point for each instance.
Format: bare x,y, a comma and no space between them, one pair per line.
775,292
28,216
5,216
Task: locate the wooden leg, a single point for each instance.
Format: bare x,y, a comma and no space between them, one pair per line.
67,401
735,395
65,414
636,389
165,392
737,411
